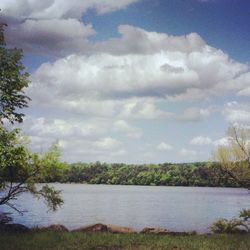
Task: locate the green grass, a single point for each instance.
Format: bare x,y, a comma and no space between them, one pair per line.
103,241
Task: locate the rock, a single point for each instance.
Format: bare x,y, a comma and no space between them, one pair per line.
92,228
54,227
105,228
158,231
14,228
119,229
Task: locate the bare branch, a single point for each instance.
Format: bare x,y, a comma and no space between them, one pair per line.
13,207
241,146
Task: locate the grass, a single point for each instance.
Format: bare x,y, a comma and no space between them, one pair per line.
106,241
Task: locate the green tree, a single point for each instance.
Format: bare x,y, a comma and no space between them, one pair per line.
14,79
20,169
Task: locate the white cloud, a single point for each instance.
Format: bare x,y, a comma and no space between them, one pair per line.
53,26
58,36
201,140
107,143
78,139
240,84
117,81
164,147
58,128
143,108
49,9
194,114
105,75
139,63
244,92
241,116
188,152
135,40
130,131
235,112
224,141
160,75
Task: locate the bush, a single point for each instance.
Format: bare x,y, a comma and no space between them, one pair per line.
233,225
245,214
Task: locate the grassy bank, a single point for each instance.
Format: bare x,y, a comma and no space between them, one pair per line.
104,241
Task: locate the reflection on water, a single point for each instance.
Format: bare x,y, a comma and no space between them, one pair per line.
175,208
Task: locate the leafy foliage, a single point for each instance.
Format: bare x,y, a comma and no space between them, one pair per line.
234,158
245,214
227,226
13,80
233,225
20,169
167,174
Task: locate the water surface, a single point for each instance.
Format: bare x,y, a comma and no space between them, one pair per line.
175,208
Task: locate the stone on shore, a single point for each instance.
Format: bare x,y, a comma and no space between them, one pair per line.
119,229
92,228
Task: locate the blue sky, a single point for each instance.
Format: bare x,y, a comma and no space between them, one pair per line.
134,81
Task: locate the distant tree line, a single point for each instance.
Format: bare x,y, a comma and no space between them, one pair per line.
167,174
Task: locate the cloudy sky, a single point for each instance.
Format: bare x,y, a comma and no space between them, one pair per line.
134,81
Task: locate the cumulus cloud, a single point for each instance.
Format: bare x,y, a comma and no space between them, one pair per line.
105,76
237,113
244,92
138,63
53,26
194,114
57,36
135,40
163,146
116,81
127,129
142,108
55,128
77,138
49,9
166,74
224,141
188,152
107,143
201,140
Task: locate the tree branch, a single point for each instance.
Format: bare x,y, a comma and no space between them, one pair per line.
241,147
240,182
13,207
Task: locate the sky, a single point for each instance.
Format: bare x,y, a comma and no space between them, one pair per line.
134,81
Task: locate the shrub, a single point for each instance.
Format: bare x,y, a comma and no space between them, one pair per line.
233,225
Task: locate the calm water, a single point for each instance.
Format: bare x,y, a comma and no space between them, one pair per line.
175,208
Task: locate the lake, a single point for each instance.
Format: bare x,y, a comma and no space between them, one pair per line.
174,208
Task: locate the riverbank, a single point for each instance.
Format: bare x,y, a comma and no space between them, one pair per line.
55,240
